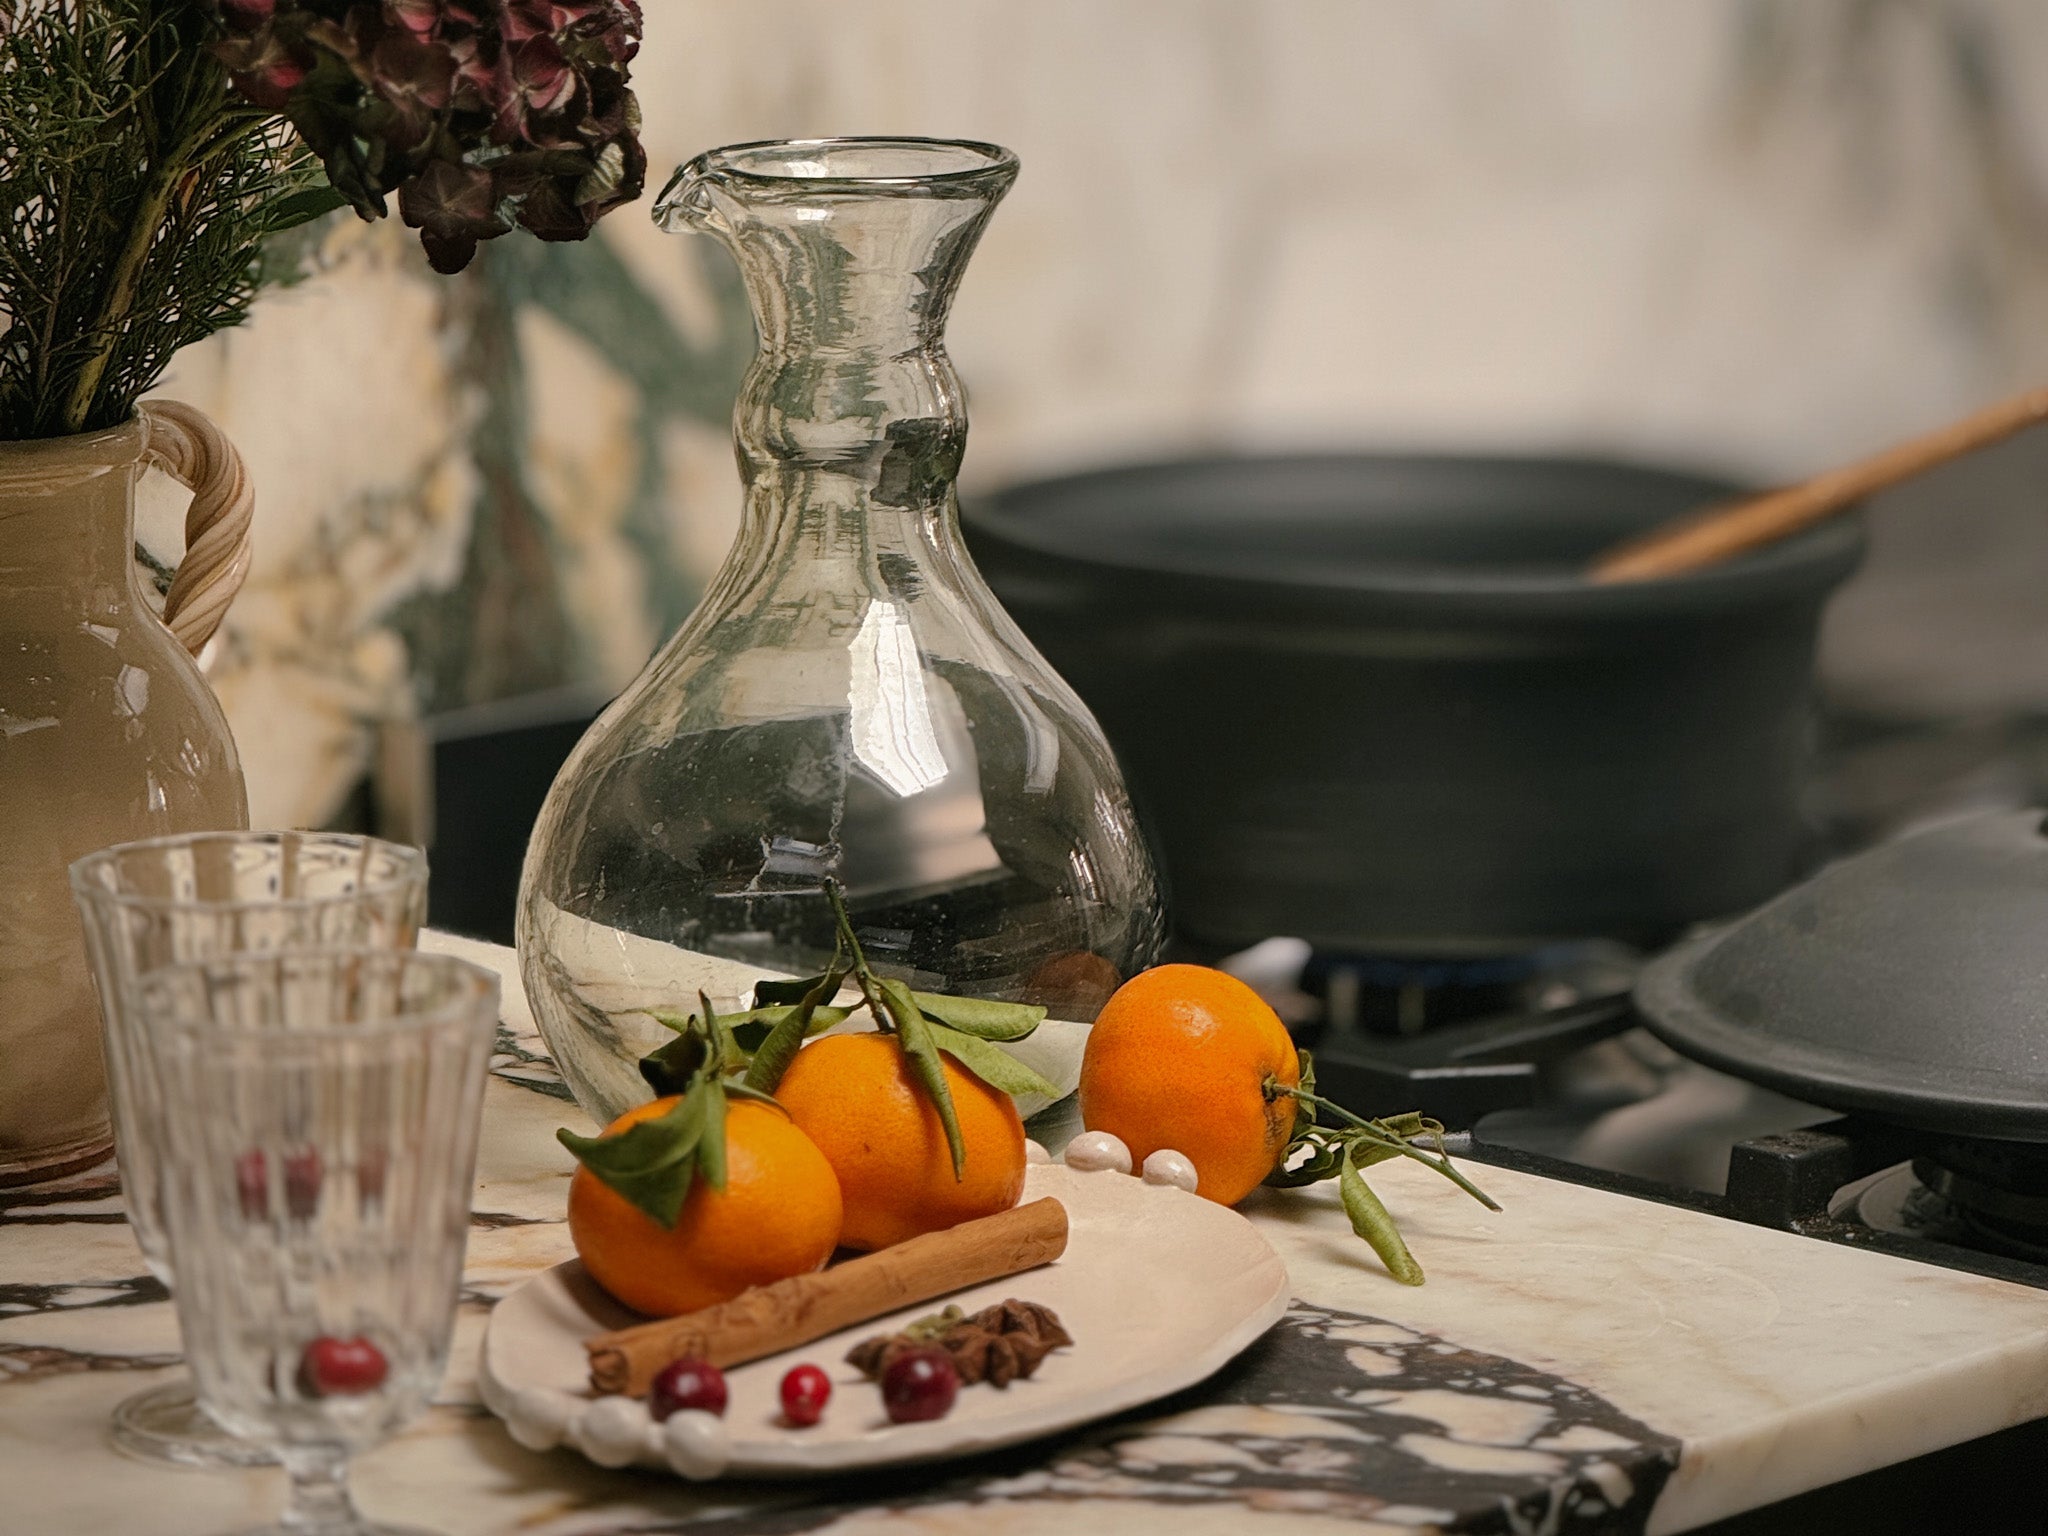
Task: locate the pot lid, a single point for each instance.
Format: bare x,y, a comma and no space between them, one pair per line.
1909,982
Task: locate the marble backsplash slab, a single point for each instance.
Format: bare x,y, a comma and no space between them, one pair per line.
1735,233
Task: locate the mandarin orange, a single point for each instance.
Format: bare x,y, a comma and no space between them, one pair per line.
778,1215
855,1097
1180,1057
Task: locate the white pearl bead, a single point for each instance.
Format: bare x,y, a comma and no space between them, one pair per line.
695,1443
538,1418
1094,1151
1167,1166
1034,1152
613,1430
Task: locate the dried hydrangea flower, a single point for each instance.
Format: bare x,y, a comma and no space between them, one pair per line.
481,115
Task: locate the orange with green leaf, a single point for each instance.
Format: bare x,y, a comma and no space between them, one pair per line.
771,1210
1180,1057
857,1098
916,1118
1192,1059
858,1139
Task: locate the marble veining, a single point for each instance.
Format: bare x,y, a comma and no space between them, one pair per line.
1285,1427
1581,1363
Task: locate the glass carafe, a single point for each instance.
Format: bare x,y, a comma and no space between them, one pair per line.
848,702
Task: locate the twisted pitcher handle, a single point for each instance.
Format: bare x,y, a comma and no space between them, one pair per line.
185,443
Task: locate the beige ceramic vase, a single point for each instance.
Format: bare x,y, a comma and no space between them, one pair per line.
108,733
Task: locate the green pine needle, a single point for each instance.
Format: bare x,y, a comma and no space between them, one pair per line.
136,191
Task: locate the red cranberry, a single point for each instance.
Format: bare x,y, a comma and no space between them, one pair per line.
252,1185
303,1175
805,1392
919,1384
688,1383
302,1178
333,1367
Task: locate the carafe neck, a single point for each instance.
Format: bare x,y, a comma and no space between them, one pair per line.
851,251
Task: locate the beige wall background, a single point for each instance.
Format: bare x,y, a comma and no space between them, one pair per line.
1758,235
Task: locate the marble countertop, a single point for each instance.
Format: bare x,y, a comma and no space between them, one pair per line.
1581,1362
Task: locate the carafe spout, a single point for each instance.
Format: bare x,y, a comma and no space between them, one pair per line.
685,203
851,250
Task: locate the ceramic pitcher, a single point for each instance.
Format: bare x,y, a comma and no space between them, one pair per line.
108,733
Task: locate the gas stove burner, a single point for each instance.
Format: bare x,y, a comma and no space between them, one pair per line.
1897,1204
1990,1196
1998,1191
1406,995
1849,1181
1459,1038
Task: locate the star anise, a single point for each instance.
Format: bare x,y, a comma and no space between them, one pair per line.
998,1345
1024,1317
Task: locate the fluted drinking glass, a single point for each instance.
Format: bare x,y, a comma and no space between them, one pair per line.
320,1112
179,899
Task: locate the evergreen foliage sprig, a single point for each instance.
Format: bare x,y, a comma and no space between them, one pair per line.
150,148
136,191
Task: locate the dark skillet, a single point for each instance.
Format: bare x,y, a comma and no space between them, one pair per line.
1909,983
1367,700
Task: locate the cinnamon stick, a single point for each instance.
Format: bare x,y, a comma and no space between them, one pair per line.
771,1318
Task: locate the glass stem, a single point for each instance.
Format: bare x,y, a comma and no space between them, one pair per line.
319,1503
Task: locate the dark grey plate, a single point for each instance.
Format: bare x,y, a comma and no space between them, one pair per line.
1909,982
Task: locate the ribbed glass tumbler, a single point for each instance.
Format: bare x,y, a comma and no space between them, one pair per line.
320,1113
175,900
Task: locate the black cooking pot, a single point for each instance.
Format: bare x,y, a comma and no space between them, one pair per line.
1367,700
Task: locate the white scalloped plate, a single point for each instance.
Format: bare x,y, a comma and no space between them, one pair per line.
1160,1288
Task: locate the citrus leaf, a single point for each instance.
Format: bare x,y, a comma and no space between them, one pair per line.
711,1144
1366,1152
750,1029
1326,1153
725,1051
771,994
989,1062
651,1164
914,1038
669,1068
981,1017
780,1048
1369,1219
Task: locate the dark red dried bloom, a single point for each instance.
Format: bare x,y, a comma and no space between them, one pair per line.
453,206
415,80
267,68
419,17
245,16
537,79
480,114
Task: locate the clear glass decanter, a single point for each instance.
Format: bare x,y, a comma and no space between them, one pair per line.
849,702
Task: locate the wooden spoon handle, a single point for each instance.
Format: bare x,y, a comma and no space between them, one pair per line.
1725,530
